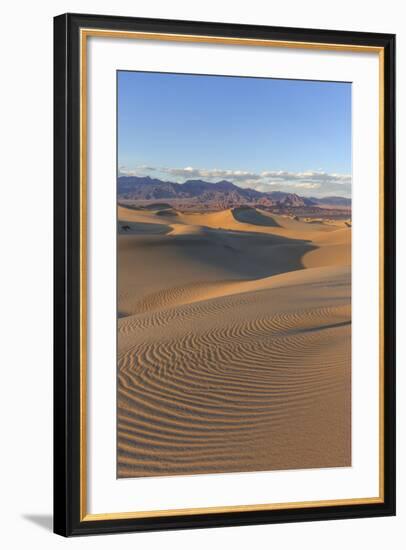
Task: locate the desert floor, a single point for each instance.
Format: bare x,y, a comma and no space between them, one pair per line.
234,342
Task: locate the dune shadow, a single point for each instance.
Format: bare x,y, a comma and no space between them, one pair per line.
143,207
157,206
142,228
241,254
246,214
166,212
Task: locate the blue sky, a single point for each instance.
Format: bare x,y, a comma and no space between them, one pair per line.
266,134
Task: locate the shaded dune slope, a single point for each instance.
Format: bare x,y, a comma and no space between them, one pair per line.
254,217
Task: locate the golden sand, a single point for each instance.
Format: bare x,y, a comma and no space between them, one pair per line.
234,343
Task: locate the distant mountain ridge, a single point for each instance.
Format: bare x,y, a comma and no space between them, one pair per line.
222,192
333,201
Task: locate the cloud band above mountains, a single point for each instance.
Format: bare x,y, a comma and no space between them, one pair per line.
311,183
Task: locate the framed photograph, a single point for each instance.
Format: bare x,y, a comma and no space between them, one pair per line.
224,274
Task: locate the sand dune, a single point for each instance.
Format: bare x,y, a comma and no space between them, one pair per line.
331,249
198,256
237,219
233,343
253,217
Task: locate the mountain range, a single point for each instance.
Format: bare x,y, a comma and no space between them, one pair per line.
223,193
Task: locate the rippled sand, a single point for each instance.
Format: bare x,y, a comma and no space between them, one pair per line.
234,343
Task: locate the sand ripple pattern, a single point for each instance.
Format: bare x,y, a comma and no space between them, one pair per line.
245,382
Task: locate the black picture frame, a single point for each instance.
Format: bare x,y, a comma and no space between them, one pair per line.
67,352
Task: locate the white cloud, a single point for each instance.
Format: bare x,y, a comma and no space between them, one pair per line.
308,185
137,171
309,176
215,173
